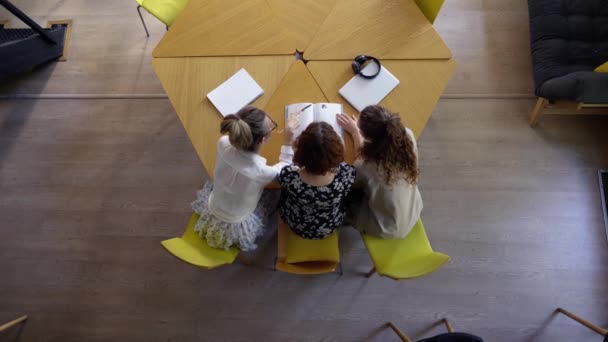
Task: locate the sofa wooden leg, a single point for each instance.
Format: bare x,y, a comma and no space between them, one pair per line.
12,323
599,330
538,108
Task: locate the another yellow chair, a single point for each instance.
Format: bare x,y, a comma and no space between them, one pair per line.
294,253
405,258
430,8
164,10
193,249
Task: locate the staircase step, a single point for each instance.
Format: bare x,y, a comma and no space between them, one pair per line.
13,34
26,49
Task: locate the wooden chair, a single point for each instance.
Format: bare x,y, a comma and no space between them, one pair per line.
164,10
193,249
450,336
313,265
600,331
430,8
405,258
12,323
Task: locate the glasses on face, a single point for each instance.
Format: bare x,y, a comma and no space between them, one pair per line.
275,125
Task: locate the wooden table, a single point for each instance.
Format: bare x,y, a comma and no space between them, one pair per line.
386,29
212,39
188,80
421,85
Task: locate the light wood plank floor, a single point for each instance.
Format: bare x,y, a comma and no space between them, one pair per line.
88,188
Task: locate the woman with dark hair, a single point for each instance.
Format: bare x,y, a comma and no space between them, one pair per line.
234,208
313,190
387,168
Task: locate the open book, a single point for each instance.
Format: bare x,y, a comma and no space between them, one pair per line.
301,115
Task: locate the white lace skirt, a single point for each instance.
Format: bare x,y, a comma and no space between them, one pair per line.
220,234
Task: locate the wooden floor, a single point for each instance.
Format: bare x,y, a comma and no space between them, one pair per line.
88,189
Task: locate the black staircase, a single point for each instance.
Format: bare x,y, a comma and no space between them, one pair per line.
23,49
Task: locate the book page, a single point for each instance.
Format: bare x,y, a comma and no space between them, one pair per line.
296,115
327,112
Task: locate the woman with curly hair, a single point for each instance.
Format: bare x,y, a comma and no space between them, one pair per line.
387,169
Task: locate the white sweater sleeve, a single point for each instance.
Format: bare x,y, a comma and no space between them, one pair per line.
269,173
285,158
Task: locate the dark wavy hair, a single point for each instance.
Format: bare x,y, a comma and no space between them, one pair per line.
387,144
318,149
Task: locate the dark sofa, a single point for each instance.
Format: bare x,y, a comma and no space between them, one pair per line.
569,38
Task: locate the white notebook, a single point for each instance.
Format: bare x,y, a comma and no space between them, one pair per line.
361,92
235,93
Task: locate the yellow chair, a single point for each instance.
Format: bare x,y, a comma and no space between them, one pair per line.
293,253
602,68
164,10
193,249
405,258
430,8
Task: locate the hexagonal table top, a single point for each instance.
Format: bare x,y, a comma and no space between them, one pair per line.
212,39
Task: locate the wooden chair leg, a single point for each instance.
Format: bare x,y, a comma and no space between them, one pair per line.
399,333
12,323
448,325
538,108
371,272
584,322
243,260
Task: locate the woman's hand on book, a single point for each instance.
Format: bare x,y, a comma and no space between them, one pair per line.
348,123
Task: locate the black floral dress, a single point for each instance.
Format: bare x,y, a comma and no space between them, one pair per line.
314,212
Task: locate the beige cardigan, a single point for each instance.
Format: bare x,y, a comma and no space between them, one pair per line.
387,211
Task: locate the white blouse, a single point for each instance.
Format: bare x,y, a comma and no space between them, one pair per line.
240,178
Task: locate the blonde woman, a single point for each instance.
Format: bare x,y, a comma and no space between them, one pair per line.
234,208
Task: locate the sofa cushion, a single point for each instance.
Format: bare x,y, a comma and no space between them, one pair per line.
567,36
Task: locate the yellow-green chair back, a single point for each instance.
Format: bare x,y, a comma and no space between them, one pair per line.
405,258
164,10
193,249
297,255
430,8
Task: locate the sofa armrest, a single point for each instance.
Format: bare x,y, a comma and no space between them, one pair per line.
581,86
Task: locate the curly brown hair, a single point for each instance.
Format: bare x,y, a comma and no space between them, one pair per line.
387,144
318,149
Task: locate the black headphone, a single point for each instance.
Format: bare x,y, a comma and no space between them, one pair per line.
358,65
